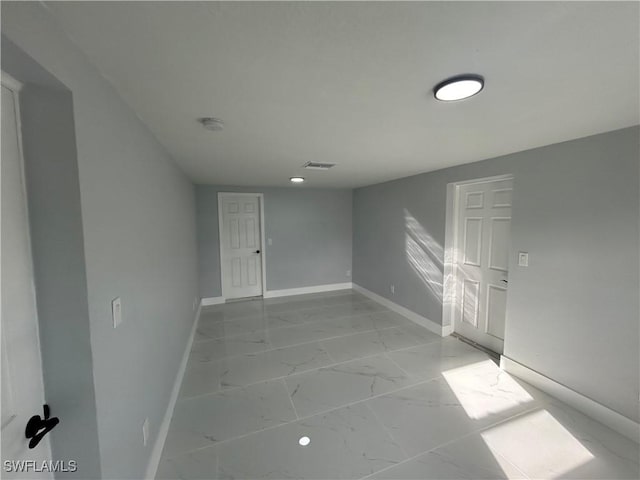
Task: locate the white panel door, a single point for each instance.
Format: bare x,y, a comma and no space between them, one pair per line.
22,385
241,246
482,263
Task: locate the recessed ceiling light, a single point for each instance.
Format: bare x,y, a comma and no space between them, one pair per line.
304,441
458,87
296,179
212,123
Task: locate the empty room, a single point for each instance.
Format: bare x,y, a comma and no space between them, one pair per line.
320,240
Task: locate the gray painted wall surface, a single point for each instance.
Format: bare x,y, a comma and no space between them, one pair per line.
310,228
573,314
138,214
58,252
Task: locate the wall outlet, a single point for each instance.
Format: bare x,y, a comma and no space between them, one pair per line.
523,259
348,273
145,431
392,288
116,312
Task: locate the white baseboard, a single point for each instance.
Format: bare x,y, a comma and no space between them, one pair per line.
206,302
591,408
413,316
447,330
304,290
158,446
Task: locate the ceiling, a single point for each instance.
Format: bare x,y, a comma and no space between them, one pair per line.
350,83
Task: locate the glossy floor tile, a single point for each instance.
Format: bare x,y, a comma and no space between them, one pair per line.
430,360
210,350
574,445
345,443
198,464
247,369
331,387
208,419
372,342
200,378
469,458
460,402
377,396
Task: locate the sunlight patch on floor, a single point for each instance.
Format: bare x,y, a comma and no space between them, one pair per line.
538,444
484,389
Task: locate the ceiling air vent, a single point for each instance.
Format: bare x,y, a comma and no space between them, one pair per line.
318,166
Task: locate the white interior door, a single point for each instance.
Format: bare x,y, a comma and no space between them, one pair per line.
482,261
240,245
22,384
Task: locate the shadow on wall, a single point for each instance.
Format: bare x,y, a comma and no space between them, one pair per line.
425,255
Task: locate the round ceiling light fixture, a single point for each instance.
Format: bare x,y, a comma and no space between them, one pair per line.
212,123
304,441
458,87
296,179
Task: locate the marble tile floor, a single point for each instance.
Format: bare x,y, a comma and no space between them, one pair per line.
378,396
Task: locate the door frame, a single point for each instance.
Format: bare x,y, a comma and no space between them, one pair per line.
263,257
450,305
15,87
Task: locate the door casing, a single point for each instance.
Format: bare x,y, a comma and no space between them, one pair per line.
25,380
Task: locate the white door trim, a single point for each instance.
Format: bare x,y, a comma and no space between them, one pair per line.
15,87
450,242
263,250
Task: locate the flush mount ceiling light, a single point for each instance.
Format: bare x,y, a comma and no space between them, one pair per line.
304,441
212,123
296,179
458,87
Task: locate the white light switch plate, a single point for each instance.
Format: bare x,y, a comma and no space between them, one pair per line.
116,312
523,259
269,241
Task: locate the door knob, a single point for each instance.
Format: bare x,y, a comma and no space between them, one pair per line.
505,281
257,251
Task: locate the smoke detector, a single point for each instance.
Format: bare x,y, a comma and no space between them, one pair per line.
318,166
212,123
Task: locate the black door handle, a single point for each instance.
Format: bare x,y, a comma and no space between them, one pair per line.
257,251
38,427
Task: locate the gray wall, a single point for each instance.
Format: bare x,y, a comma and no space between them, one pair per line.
572,315
138,224
310,229
58,252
